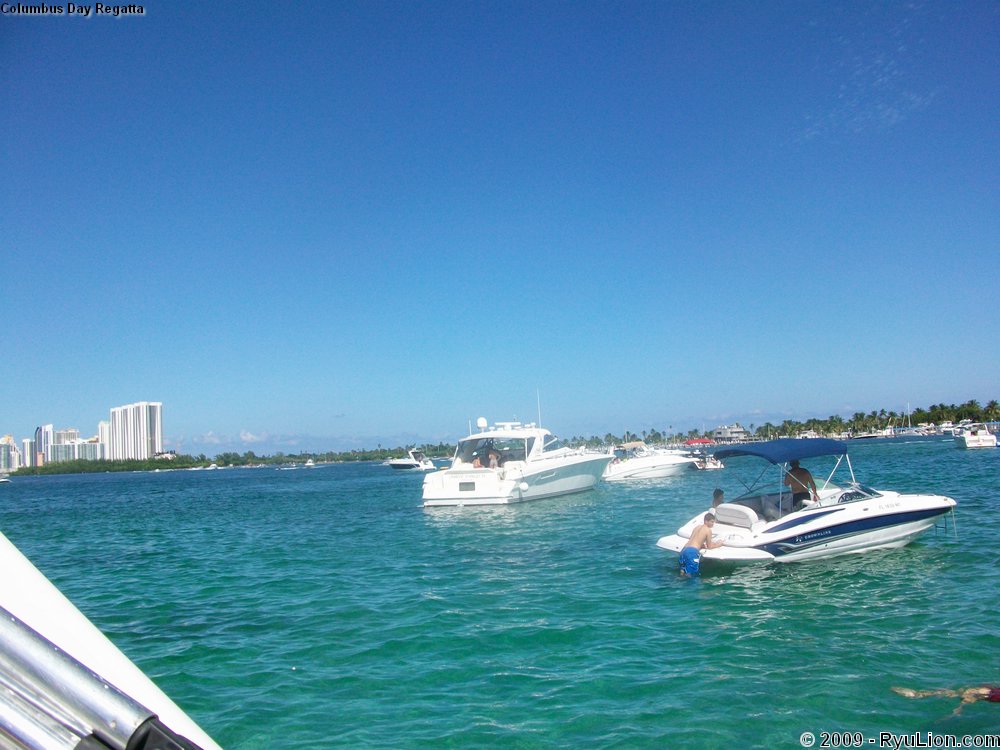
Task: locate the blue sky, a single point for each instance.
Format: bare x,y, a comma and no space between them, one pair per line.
325,225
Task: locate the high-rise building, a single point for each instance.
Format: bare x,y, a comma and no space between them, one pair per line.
44,437
28,455
77,450
63,437
10,457
104,438
136,431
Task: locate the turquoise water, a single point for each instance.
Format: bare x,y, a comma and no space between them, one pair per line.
325,608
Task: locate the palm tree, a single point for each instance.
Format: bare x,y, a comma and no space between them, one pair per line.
992,410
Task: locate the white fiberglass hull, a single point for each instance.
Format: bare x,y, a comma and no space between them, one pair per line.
892,520
979,440
31,598
515,483
648,467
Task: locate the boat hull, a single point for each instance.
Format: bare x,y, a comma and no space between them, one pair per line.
648,467
536,480
27,595
826,531
976,441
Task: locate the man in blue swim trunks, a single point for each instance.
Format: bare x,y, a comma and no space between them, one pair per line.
700,538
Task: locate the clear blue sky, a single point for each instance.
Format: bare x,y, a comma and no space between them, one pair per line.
320,225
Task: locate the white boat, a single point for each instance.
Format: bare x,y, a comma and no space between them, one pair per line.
975,436
528,463
636,460
65,685
707,462
4,478
414,460
848,517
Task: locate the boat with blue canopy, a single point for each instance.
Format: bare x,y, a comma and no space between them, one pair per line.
774,523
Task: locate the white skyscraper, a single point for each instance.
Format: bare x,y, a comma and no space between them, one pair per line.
136,431
104,438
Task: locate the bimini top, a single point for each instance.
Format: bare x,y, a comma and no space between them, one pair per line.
786,449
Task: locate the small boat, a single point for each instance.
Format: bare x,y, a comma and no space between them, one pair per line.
309,464
4,478
415,460
763,526
707,462
511,463
65,685
636,460
975,435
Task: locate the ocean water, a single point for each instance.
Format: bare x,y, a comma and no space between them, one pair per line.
325,608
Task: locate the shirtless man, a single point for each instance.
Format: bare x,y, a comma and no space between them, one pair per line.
700,538
801,484
968,695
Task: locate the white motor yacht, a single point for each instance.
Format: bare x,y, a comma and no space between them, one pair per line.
636,460
848,518
975,436
511,463
415,460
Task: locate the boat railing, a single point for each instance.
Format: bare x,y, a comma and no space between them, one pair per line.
50,701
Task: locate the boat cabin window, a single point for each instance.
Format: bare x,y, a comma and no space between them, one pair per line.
552,443
509,449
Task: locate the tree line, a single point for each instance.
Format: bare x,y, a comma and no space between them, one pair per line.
834,425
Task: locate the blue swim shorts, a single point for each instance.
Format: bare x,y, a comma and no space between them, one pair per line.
690,559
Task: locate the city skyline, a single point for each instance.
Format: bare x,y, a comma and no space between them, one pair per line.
131,432
163,444
355,224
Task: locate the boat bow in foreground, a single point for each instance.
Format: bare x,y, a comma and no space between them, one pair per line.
66,685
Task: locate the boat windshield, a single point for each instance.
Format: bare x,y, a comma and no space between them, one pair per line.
857,492
552,443
507,449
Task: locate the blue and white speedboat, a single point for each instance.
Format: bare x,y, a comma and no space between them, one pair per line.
848,517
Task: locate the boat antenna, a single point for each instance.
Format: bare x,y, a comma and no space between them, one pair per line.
538,398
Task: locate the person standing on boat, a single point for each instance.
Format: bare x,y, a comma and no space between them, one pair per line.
701,538
800,482
718,498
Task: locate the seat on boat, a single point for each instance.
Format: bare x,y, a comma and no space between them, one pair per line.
734,514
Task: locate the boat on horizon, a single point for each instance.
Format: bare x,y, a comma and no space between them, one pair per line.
762,526
415,460
512,463
636,460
